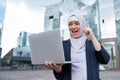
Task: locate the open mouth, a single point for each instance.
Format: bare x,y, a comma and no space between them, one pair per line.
74,31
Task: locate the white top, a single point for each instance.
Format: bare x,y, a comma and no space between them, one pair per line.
79,70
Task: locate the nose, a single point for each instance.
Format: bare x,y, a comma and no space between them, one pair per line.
73,26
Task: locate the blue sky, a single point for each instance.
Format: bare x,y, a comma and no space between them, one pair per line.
2,9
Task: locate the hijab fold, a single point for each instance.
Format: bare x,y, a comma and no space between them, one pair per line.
79,42
78,53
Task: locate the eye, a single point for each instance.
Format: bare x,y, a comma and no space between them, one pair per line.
77,23
70,24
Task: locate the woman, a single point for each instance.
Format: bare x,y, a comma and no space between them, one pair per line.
83,47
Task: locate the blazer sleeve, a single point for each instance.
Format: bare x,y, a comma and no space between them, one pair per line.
66,68
102,56
64,73
58,76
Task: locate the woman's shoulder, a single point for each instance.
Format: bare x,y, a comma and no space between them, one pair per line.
68,40
65,42
88,42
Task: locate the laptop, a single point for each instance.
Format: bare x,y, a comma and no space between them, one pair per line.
47,46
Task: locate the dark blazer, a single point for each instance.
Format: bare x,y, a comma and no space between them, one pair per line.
93,59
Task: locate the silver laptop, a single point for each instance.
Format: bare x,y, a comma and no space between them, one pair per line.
47,46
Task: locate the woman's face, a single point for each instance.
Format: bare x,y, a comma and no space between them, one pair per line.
74,28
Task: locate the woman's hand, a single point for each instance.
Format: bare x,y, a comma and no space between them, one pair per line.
89,33
56,67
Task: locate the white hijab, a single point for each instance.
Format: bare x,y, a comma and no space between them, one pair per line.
79,42
79,70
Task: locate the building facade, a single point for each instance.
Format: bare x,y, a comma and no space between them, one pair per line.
19,57
52,17
117,20
2,16
99,13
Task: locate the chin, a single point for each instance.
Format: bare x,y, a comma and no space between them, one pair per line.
75,37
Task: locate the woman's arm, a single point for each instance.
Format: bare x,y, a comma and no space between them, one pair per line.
101,54
89,33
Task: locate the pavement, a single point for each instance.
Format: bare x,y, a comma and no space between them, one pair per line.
48,75
110,75
27,75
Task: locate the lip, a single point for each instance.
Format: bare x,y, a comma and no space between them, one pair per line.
75,32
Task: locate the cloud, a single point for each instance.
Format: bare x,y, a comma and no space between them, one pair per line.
36,3
19,18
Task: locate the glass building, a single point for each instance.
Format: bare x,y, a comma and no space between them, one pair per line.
52,17
2,16
117,20
102,15
22,40
19,57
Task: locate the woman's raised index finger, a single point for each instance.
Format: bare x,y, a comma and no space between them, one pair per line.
87,24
